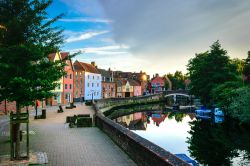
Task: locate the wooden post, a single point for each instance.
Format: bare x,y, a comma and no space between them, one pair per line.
11,138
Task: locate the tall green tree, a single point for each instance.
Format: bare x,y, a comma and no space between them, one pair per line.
177,79
246,69
26,40
208,70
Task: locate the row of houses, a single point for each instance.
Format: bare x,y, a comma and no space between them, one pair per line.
84,82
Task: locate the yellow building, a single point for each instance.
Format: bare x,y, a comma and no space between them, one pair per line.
124,89
57,98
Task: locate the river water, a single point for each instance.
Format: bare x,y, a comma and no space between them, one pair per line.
212,141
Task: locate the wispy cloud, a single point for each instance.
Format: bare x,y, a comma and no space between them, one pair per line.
105,50
95,20
83,36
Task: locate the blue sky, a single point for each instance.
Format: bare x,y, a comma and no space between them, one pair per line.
89,33
153,36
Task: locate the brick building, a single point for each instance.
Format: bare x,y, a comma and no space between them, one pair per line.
108,86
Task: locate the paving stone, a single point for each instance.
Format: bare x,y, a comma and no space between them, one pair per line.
61,145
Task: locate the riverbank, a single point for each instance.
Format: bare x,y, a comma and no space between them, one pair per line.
142,151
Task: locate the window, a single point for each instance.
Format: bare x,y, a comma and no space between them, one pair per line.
97,77
97,84
66,96
92,84
66,76
70,76
70,86
88,76
93,77
97,93
66,86
88,84
55,97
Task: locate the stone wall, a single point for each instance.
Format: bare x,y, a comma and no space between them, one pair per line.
142,151
103,104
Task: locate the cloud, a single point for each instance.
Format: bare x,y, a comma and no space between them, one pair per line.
95,20
105,50
168,33
82,36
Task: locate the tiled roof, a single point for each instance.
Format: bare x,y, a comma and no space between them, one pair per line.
52,56
121,82
86,67
134,82
64,55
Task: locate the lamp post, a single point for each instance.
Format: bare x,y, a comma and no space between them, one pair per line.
92,96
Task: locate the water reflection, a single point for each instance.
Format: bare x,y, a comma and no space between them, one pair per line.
219,144
212,141
166,129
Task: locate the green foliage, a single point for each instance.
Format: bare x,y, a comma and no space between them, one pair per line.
25,71
177,80
246,69
239,106
209,70
212,144
223,93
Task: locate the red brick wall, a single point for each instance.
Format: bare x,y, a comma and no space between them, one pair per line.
11,106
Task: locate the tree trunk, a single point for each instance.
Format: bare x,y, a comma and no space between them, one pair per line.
17,133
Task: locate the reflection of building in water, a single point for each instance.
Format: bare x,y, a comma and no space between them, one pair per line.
136,121
158,118
192,116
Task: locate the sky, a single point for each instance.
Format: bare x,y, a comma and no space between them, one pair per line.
158,36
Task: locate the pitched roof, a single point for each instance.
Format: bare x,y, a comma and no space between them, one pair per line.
134,82
121,82
52,56
64,55
86,67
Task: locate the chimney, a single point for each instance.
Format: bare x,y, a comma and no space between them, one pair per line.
93,63
156,75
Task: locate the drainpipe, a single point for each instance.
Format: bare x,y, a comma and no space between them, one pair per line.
5,107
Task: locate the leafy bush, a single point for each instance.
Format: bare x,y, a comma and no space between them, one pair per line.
240,104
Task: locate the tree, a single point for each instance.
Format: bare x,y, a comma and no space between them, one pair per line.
178,80
208,70
26,41
239,106
246,69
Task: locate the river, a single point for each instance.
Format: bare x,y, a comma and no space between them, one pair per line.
212,141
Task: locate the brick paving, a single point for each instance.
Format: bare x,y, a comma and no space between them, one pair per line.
71,147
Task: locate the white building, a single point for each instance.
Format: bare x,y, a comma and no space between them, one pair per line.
92,82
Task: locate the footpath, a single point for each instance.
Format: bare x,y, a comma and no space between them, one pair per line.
66,146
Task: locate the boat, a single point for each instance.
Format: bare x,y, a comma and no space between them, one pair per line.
218,119
218,112
203,112
176,107
187,159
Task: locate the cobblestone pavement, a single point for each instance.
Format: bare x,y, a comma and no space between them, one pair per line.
71,147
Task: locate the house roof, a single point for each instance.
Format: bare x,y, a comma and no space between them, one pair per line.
52,56
121,82
64,55
105,73
86,67
134,82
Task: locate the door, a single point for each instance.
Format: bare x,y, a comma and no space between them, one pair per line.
127,94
